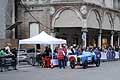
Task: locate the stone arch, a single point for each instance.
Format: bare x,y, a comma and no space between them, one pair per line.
68,9
107,22
93,16
117,23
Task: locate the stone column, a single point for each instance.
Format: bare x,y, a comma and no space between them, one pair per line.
52,46
52,32
84,38
84,32
118,39
99,39
112,36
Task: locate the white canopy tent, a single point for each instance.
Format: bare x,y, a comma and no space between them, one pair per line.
42,38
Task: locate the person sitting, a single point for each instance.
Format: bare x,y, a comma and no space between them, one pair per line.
78,51
7,49
2,54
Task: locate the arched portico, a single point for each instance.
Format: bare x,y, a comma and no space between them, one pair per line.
58,13
97,24
107,30
67,21
94,28
116,40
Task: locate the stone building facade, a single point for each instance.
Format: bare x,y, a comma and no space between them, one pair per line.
82,22
7,19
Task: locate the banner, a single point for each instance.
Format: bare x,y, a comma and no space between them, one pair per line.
110,55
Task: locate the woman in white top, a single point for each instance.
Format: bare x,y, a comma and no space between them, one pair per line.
7,48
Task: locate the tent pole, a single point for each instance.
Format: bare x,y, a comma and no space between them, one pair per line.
18,55
35,54
35,50
52,50
60,46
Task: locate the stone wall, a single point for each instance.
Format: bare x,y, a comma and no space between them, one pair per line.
3,4
14,43
40,14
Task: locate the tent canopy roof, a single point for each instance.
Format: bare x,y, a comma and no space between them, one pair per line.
42,38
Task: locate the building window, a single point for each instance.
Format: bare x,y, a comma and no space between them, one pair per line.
34,28
116,4
103,2
119,4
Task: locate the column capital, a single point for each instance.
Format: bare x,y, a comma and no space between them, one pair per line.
52,30
118,33
84,30
112,32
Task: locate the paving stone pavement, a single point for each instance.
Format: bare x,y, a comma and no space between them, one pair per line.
107,71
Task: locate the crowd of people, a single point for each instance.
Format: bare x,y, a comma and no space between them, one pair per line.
61,52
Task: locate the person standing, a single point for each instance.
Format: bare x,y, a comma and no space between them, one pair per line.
47,53
65,51
61,56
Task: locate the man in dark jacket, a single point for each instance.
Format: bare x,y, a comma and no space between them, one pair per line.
14,63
